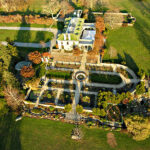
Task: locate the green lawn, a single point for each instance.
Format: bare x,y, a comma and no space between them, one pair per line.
25,36
59,74
132,43
24,25
102,78
40,134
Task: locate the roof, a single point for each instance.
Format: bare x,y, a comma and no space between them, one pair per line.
46,54
73,26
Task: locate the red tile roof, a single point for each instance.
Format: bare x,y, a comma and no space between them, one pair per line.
46,54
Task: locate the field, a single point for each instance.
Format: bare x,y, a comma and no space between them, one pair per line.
132,43
25,36
33,134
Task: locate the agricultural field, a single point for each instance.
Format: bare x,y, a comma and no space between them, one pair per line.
132,43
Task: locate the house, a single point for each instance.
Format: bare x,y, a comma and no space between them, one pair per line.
77,33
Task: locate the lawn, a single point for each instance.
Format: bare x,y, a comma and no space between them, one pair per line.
40,134
59,74
25,36
132,43
102,78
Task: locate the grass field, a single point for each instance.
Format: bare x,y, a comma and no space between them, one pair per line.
25,36
39,134
132,43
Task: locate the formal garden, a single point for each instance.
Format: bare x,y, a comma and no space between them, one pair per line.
66,98
87,101
48,97
113,113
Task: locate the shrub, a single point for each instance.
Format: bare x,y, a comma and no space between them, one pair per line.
140,89
27,71
79,109
68,107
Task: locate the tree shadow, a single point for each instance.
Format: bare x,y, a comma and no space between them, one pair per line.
131,63
142,34
39,35
9,133
142,27
23,35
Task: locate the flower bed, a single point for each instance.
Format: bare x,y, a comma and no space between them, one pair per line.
94,89
102,78
113,113
70,66
99,68
37,111
87,100
48,96
66,98
124,72
62,85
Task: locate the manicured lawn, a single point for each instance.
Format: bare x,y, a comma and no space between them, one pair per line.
59,74
102,78
24,25
132,43
26,36
33,134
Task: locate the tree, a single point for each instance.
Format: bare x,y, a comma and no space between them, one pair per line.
141,73
35,57
140,89
51,8
14,5
41,70
79,109
3,107
102,112
10,79
96,111
33,83
13,97
66,8
138,126
27,71
68,108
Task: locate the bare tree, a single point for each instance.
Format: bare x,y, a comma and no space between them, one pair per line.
13,97
51,8
13,5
